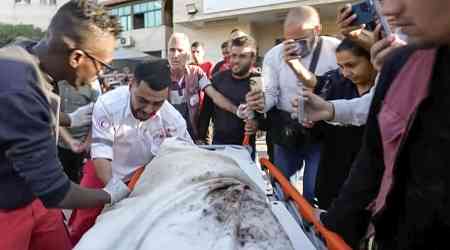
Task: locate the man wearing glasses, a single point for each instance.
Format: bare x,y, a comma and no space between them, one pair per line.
80,40
294,145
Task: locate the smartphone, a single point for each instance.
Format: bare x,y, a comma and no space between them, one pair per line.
256,83
301,48
365,11
386,29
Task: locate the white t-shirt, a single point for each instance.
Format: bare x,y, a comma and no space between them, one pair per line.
280,82
117,135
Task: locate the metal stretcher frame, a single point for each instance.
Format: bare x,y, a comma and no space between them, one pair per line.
331,239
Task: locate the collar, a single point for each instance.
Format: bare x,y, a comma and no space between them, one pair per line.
186,71
51,83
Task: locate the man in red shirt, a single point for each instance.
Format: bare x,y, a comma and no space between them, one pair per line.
224,64
198,58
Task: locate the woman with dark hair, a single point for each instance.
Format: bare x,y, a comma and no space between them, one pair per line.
340,144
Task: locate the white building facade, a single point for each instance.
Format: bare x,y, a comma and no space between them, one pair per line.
34,12
147,24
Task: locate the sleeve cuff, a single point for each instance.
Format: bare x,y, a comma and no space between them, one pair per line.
342,114
101,151
204,82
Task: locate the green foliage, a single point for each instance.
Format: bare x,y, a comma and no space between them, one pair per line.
11,32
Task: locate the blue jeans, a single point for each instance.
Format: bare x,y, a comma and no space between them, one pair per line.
289,161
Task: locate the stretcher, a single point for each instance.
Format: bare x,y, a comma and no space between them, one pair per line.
294,213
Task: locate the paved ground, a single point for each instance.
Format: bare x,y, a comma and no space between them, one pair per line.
261,151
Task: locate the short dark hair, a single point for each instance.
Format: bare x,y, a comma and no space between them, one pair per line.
235,30
197,44
155,73
354,48
77,20
244,41
224,45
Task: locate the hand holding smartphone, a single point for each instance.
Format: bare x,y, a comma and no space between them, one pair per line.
368,11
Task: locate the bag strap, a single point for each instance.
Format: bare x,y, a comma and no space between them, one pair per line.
316,55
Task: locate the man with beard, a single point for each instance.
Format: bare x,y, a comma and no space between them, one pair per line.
129,125
234,84
402,174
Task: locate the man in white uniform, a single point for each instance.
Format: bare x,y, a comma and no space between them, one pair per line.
129,125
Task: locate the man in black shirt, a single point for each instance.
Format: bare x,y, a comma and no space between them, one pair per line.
234,84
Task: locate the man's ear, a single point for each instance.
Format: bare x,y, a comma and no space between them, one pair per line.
76,58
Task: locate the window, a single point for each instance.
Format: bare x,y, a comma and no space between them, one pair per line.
147,15
124,15
22,1
139,16
49,2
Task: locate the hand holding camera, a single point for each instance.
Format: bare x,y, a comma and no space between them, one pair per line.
346,22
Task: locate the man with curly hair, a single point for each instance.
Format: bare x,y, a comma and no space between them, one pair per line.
78,47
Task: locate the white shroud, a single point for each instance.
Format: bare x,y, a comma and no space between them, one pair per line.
192,199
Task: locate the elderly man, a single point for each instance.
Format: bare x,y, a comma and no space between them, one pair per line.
294,144
188,82
79,44
353,111
401,174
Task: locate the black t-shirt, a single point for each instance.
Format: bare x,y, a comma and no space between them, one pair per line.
217,67
228,128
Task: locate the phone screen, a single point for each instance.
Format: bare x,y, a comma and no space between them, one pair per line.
256,83
364,11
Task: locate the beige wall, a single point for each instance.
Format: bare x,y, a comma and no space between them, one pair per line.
150,39
266,34
35,13
212,35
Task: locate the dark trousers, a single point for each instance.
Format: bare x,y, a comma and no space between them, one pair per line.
72,163
289,161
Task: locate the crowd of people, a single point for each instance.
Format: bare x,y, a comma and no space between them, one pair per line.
364,113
